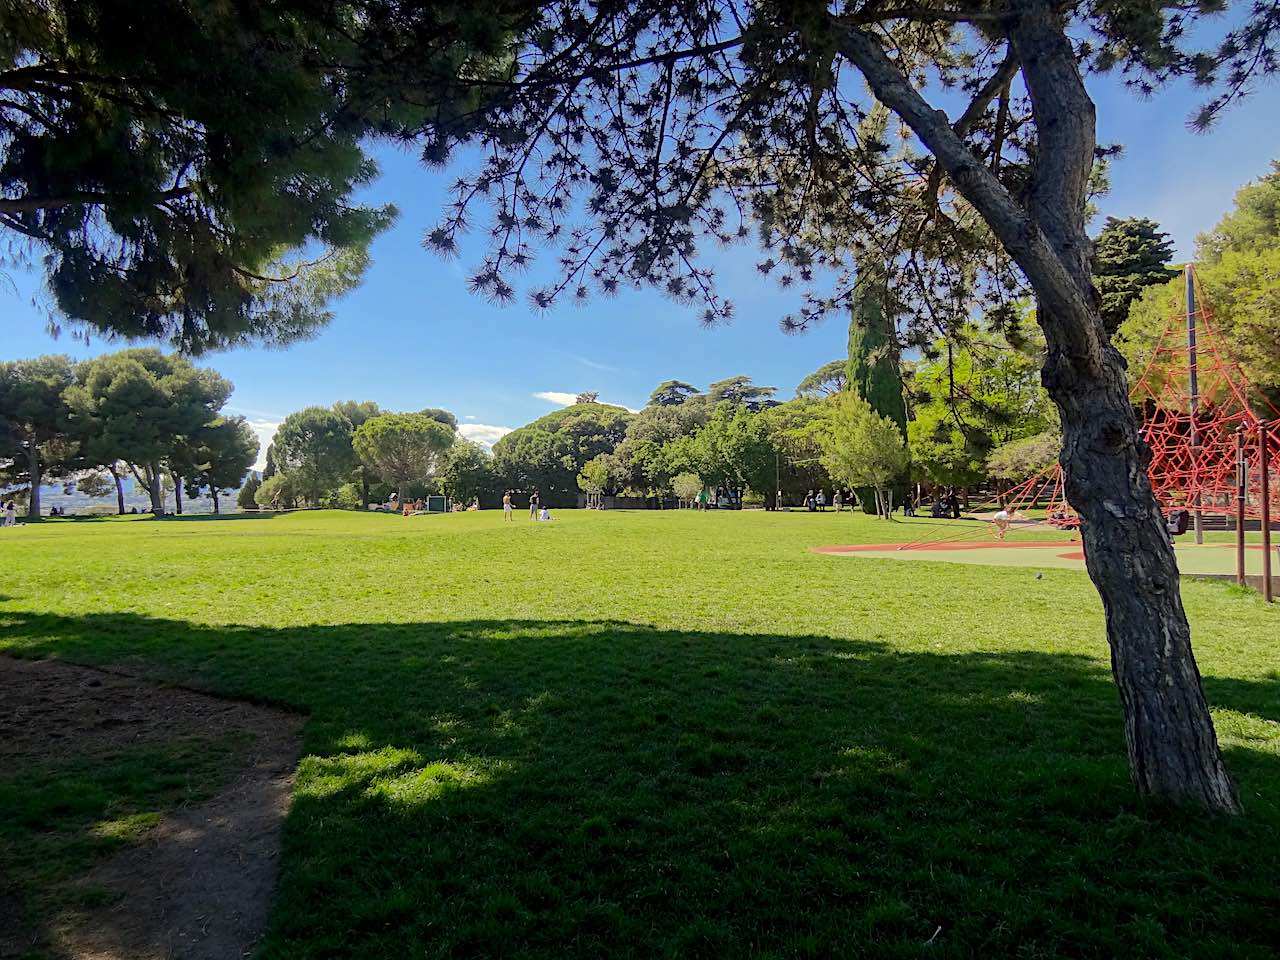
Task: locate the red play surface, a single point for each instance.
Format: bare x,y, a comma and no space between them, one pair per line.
962,545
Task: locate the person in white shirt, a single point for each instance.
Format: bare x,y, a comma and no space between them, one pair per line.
1000,522
10,514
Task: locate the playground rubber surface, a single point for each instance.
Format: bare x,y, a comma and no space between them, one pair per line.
1193,559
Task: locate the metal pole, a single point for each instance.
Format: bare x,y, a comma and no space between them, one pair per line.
1195,402
1242,486
1264,488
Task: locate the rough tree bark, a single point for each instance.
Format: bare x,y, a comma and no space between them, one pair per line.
154,489
177,493
33,471
115,475
1172,746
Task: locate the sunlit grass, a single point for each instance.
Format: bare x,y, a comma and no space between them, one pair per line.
637,734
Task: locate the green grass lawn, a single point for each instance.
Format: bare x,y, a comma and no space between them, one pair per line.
644,734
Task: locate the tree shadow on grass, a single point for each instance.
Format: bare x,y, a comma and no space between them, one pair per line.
586,789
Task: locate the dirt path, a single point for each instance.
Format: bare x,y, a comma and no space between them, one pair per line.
199,884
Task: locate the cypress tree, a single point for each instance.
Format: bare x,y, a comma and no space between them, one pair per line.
872,369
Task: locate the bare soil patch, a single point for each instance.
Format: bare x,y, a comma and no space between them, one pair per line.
198,885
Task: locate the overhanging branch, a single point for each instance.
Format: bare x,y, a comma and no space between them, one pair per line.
1016,230
11,205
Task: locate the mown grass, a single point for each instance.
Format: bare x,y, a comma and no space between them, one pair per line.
640,734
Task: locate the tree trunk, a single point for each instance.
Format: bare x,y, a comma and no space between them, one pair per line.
364,487
33,471
154,489
1173,749
213,492
119,488
177,493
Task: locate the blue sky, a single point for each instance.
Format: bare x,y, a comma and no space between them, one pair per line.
412,336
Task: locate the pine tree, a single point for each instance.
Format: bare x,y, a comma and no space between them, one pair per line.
1128,255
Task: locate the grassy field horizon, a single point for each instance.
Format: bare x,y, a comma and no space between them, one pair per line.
673,733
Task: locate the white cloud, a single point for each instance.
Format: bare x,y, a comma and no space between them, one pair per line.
484,434
594,364
562,399
559,398
266,431
469,417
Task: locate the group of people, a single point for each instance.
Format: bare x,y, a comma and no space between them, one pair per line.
537,509
9,513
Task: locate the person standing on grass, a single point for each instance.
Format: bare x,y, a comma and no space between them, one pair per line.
702,499
837,501
533,505
10,514
506,505
822,501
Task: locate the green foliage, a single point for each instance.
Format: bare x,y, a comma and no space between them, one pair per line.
441,416
356,412
277,492
144,407
1022,459
672,393
549,453
687,486
221,454
33,422
796,429
95,484
1129,255
402,447
189,171
872,368
466,472
740,392
1253,224
861,448
313,448
1238,269
662,734
733,450
971,400
827,379
594,477
247,497
649,447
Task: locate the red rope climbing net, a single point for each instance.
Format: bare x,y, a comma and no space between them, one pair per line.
1193,452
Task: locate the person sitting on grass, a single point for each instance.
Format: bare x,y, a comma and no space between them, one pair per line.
545,514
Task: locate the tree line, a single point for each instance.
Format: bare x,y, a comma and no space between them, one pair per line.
138,413
354,453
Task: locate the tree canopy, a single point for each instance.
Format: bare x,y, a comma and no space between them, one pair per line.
402,447
313,448
187,172
33,421
144,407
828,379
1129,255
